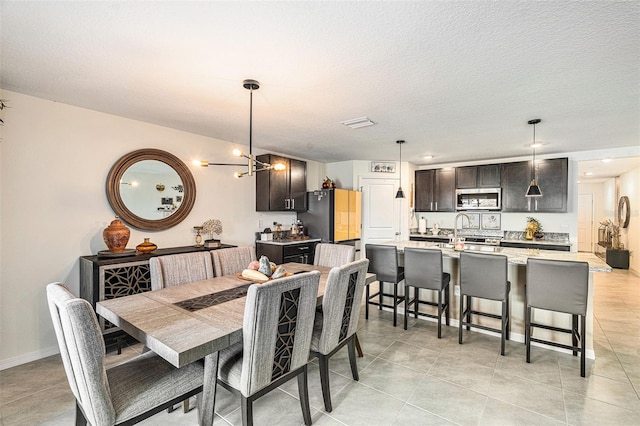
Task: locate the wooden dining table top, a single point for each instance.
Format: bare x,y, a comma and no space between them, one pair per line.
185,323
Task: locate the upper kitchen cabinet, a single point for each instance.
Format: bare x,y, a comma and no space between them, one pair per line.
552,177
487,176
282,190
435,190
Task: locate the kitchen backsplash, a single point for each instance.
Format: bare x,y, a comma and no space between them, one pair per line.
548,236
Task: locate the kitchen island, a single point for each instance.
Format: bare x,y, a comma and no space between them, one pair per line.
517,259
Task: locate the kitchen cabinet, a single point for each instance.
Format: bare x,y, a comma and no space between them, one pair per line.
284,190
279,253
435,190
486,176
552,177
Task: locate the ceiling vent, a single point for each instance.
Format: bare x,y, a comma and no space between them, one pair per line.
356,123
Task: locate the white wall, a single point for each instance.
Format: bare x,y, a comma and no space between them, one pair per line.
629,185
600,210
54,163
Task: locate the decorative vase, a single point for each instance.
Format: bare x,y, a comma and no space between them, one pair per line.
116,236
198,236
146,246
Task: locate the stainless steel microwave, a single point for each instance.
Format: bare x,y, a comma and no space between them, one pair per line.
479,199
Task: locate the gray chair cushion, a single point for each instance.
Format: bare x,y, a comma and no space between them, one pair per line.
333,254
232,260
558,285
423,268
484,275
176,269
340,306
276,333
383,261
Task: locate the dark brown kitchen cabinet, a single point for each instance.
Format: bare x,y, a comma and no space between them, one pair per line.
552,177
302,252
435,190
284,190
486,176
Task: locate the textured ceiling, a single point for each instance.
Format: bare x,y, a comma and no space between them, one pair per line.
457,80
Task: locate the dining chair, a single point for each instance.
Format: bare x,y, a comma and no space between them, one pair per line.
276,339
176,269
124,394
560,286
383,261
335,325
332,255
484,276
232,260
423,270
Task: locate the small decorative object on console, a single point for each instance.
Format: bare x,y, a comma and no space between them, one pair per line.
116,236
146,246
211,227
198,236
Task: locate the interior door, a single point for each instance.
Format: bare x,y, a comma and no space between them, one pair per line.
585,222
380,210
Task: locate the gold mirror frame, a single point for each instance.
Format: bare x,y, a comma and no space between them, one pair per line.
623,212
115,199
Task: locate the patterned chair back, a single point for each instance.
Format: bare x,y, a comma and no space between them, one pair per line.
277,328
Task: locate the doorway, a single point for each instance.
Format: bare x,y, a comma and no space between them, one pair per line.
380,210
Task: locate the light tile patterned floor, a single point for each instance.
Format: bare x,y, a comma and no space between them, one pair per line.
412,378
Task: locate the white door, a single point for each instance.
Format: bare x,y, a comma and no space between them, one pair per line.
585,222
380,210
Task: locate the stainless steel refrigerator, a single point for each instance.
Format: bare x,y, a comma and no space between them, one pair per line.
334,215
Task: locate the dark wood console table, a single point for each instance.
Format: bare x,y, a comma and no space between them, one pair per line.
103,278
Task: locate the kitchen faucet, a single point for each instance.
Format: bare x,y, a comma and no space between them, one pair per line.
455,225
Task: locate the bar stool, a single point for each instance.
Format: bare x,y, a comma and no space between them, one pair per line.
485,276
560,286
383,261
423,270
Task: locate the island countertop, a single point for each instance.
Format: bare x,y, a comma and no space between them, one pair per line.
517,256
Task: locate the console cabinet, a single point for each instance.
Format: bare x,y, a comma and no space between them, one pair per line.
284,190
103,278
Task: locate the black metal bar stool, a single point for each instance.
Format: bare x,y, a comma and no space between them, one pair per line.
423,270
560,286
383,261
485,276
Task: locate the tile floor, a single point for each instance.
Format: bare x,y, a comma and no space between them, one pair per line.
412,378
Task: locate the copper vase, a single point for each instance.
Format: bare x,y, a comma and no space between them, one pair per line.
146,246
116,236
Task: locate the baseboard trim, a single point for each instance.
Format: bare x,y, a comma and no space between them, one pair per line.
28,357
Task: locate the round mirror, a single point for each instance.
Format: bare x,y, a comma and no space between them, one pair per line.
623,212
151,189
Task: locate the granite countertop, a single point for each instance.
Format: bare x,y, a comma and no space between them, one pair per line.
517,256
539,242
289,241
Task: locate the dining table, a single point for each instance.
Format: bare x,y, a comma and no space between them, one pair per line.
193,321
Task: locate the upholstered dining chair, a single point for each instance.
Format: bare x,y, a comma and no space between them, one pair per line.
383,261
423,270
336,324
332,255
276,338
232,260
176,269
124,394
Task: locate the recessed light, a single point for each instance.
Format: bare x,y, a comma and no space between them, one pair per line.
535,145
606,160
428,157
578,181
356,123
588,173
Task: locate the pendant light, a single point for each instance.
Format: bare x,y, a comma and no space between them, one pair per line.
400,193
534,189
253,165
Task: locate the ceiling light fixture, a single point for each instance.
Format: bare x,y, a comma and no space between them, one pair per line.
606,160
253,165
534,190
428,157
356,123
400,193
